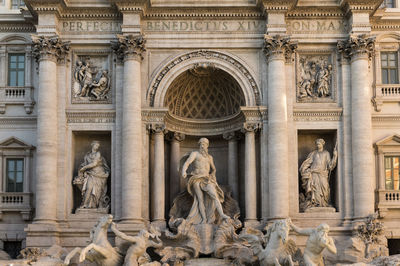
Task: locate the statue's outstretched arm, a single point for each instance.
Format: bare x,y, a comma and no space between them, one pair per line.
122,235
301,231
189,160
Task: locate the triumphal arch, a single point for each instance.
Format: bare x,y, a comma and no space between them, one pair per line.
204,130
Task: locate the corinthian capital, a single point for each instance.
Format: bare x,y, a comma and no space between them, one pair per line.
50,48
251,127
129,47
357,45
279,46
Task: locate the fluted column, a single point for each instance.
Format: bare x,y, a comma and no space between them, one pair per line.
233,176
176,182
277,50
359,49
130,49
250,173
47,50
158,179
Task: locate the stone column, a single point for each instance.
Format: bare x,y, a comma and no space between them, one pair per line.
47,50
177,183
233,175
360,49
278,49
158,179
130,49
250,177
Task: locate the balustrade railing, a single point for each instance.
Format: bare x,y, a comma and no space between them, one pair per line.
16,202
389,198
15,96
386,93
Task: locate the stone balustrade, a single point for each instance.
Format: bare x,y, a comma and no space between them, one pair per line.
16,96
16,202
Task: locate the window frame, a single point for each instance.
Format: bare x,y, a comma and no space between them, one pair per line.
387,156
396,53
19,150
387,147
17,70
6,176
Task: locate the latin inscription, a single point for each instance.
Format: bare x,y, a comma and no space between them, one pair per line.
96,26
205,26
316,26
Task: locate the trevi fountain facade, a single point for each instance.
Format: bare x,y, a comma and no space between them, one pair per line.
198,132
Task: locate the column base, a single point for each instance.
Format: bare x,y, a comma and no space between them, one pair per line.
43,235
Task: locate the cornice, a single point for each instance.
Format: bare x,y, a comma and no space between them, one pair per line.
278,5
250,12
354,6
317,114
8,27
90,117
311,12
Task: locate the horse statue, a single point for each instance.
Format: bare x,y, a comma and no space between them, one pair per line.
99,251
279,250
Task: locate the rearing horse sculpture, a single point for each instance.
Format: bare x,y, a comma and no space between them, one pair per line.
99,250
276,252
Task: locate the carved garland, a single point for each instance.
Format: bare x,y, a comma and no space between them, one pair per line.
207,55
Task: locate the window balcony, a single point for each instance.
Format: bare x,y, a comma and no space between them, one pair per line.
386,93
388,199
16,202
16,96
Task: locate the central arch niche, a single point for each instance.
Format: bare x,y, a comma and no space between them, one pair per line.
204,92
205,101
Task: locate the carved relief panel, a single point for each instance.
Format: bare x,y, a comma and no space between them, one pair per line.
315,78
91,77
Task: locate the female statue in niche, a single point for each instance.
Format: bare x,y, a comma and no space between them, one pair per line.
315,172
92,179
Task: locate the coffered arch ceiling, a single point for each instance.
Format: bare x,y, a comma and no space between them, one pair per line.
204,92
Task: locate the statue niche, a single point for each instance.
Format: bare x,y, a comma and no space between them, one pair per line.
315,175
92,180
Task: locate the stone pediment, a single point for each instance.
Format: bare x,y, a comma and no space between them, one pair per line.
14,143
393,140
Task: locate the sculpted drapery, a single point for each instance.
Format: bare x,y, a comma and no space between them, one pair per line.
315,171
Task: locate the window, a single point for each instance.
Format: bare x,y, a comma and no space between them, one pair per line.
17,4
392,172
388,3
15,175
13,248
389,68
16,70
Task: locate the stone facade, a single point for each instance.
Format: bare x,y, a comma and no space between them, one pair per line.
262,79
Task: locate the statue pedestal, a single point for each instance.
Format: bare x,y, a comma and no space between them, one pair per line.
320,209
206,233
92,211
207,261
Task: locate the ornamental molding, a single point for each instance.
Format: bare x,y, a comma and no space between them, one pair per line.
129,47
49,48
206,55
386,118
17,28
317,114
154,115
90,117
18,122
313,12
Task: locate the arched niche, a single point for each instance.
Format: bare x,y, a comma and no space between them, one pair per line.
232,65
